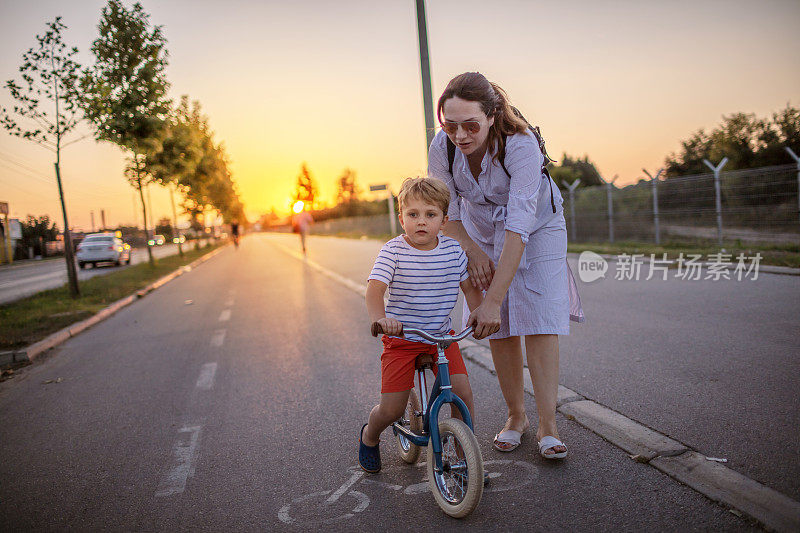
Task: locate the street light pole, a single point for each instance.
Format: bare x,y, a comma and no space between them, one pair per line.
425,67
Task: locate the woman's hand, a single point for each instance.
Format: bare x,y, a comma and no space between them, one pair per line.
480,268
391,326
486,319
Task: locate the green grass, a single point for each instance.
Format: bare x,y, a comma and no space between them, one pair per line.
778,255
31,319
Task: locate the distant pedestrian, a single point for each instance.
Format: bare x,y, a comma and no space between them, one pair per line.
235,232
506,213
301,222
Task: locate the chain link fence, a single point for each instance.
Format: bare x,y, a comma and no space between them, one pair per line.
756,206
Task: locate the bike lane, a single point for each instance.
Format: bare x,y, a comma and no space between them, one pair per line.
597,487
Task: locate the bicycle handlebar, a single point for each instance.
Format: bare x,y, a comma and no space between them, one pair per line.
377,329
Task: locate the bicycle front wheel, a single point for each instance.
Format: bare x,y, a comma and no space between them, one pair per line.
458,488
410,452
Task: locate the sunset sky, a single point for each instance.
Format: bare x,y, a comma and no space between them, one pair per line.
337,84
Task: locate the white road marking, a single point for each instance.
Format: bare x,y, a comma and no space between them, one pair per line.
345,487
229,302
174,482
225,315
381,484
218,338
418,488
361,499
207,374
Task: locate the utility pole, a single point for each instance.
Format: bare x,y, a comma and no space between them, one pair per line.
103,218
390,205
91,214
6,244
425,67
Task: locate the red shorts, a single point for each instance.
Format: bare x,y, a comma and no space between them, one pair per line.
397,362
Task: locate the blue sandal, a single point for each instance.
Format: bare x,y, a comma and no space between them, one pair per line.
369,457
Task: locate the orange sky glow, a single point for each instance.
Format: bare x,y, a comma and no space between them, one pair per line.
337,85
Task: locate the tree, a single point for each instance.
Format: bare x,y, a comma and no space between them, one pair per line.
746,140
571,169
164,227
49,75
347,193
181,150
125,91
347,189
306,190
36,232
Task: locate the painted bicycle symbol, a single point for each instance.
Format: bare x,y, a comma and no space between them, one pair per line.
343,503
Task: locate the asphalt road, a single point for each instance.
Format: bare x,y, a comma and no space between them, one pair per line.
239,409
712,364
24,278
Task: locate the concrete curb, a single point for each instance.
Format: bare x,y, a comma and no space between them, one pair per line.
35,350
709,478
776,511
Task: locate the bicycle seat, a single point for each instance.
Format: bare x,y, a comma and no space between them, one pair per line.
424,360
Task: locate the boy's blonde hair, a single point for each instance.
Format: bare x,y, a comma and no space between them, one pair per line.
429,190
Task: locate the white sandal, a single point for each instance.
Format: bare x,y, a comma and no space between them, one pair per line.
511,437
550,442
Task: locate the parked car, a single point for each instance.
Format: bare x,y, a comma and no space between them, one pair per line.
103,248
157,240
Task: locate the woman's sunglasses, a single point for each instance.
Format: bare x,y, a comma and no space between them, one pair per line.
470,126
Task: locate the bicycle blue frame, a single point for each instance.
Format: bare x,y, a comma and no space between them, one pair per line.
442,393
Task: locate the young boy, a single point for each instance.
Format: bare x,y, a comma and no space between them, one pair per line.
423,272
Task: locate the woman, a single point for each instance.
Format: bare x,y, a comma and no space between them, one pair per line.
507,215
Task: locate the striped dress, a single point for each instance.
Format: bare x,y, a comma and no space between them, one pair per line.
423,284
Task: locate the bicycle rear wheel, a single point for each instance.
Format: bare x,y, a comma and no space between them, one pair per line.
410,452
459,487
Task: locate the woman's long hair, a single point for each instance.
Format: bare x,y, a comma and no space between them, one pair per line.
474,87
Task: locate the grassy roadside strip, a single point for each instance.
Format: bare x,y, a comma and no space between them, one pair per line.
31,319
776,255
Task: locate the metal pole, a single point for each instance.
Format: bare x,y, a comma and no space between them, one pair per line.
571,189
609,188
797,160
103,218
7,241
716,170
392,217
91,213
424,63
654,181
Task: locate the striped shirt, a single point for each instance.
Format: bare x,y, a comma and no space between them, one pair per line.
423,284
